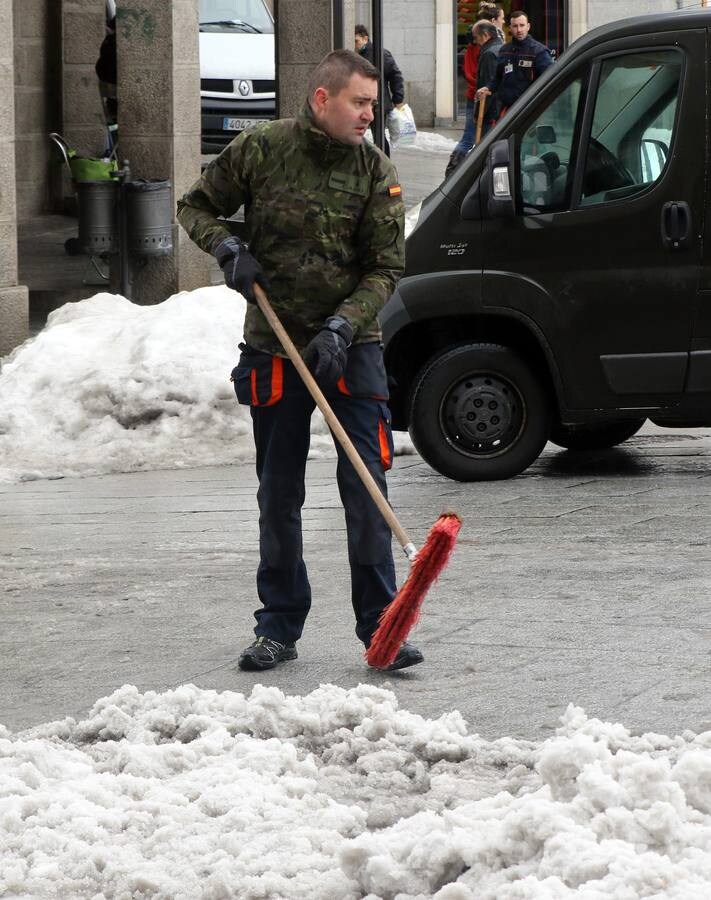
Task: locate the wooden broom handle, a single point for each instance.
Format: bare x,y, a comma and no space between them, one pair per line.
333,423
480,118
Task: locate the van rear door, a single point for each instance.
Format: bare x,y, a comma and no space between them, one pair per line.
604,251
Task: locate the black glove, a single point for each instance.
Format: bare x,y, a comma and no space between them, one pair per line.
241,269
326,355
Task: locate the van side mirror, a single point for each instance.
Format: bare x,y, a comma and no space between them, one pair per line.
500,201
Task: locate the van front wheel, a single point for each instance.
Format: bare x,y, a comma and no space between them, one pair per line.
479,413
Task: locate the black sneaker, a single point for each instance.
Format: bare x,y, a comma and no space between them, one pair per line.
265,653
407,655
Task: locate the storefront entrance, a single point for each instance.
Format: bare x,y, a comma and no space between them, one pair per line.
548,25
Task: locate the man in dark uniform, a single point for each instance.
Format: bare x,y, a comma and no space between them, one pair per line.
394,82
520,62
325,223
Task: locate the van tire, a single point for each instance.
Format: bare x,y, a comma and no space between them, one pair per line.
478,412
600,436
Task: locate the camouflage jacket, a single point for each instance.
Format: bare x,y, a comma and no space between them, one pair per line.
324,219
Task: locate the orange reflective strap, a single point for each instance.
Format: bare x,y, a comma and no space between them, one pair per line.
276,386
385,455
277,381
342,387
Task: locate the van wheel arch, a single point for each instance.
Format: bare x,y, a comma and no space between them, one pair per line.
418,343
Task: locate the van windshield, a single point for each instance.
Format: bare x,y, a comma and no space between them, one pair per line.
235,16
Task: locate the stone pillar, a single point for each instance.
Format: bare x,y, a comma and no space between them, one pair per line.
445,56
578,19
304,37
37,98
83,29
349,23
14,304
159,124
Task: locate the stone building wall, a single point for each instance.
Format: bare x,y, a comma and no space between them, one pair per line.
409,34
13,297
37,76
602,11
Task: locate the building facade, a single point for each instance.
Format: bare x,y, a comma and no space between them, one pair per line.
424,36
47,84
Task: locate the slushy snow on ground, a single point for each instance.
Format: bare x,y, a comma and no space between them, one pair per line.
431,142
111,386
340,795
428,141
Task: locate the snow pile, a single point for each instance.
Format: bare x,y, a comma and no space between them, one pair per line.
339,793
110,386
431,142
428,141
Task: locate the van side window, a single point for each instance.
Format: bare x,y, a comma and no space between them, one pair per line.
546,160
632,127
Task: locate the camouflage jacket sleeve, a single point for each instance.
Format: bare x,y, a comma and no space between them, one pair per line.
381,249
219,192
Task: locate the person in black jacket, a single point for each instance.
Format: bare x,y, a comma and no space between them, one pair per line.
519,64
486,34
394,82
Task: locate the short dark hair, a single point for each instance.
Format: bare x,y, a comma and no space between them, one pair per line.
361,31
336,69
517,13
485,27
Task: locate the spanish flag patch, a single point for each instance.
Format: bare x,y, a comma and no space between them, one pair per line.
394,190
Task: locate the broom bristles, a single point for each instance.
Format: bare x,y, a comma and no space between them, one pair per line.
399,616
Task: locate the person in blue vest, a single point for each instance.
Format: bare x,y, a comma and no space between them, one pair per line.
520,62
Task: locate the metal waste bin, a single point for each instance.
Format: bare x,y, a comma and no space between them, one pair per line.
149,217
98,216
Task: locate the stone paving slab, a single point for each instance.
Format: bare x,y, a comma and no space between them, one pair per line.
584,580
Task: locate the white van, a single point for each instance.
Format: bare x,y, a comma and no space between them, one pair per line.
237,84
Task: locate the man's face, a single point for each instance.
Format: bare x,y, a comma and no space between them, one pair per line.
360,42
346,116
519,27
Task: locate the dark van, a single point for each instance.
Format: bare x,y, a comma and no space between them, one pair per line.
558,285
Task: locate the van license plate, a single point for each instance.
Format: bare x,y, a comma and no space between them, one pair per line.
229,124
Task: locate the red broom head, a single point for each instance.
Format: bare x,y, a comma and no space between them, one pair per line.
399,616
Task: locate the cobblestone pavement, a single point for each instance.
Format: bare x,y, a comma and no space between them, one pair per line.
584,580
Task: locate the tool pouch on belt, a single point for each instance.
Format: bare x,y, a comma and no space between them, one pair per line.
365,373
258,377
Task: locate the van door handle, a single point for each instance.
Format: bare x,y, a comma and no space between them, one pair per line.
676,225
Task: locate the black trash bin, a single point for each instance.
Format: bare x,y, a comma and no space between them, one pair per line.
149,217
98,216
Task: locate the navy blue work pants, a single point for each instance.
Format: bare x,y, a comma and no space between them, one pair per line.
281,435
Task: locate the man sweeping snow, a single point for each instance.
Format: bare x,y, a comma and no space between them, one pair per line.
325,223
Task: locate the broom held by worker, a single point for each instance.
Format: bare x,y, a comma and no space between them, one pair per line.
324,228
